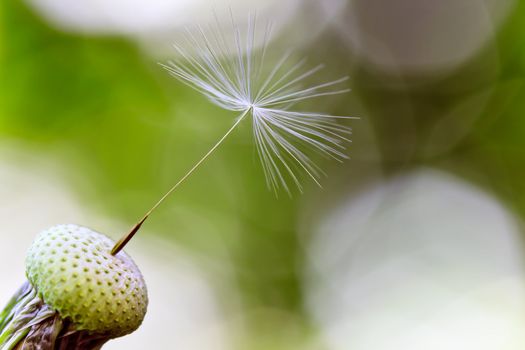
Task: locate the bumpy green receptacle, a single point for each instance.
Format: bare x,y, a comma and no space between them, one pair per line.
76,288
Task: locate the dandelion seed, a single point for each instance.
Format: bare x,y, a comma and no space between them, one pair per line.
232,74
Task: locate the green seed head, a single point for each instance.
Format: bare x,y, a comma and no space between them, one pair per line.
74,272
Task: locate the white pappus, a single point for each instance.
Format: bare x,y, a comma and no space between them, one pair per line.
232,75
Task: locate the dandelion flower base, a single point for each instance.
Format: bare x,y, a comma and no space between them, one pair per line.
78,295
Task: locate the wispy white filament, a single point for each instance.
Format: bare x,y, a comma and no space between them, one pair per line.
232,74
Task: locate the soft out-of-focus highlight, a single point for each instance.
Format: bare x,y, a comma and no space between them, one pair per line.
415,263
415,242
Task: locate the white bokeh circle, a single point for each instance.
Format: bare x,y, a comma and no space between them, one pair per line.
424,261
421,36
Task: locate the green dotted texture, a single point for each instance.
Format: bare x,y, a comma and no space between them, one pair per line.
73,271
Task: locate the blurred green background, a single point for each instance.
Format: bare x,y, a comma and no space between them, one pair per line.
435,88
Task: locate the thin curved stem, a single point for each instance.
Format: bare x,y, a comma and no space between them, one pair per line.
128,236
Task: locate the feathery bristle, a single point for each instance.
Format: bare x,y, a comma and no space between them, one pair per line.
234,79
